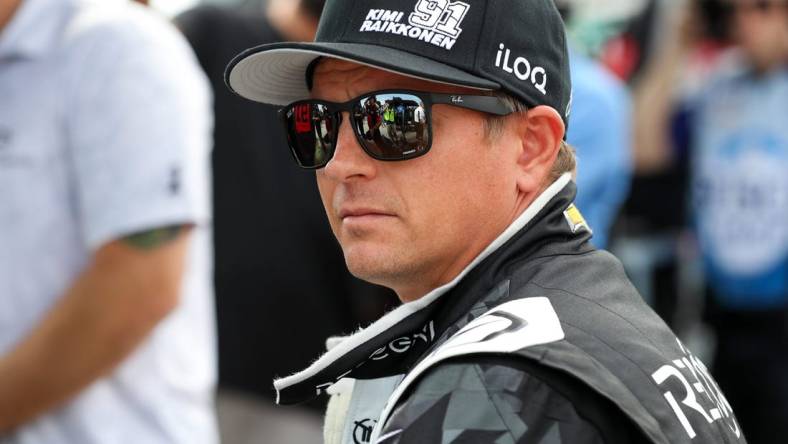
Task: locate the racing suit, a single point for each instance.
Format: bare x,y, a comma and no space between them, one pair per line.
542,339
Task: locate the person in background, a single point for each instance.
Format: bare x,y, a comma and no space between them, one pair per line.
107,322
603,145
737,139
282,286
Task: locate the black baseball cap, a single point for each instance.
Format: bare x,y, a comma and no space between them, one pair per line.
517,46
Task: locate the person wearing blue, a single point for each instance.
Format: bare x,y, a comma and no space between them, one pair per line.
739,141
603,145
740,186
735,128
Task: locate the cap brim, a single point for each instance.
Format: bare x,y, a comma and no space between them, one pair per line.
276,73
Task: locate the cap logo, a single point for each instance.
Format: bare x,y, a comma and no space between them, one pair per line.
433,21
521,68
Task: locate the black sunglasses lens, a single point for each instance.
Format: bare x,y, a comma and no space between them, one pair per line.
311,133
392,126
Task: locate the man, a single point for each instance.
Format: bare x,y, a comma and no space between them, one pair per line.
734,130
106,327
514,328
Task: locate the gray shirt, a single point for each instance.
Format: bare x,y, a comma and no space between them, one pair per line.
105,127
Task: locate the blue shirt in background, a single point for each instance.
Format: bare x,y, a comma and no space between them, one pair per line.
739,129
600,131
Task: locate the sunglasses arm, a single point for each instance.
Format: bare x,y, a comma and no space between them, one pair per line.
485,104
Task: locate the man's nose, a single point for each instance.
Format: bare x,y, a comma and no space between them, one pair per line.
349,162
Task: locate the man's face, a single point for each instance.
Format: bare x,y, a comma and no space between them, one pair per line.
761,29
414,225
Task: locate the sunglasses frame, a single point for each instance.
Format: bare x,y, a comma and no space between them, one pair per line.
482,103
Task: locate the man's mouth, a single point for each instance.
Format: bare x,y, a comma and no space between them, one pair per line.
362,214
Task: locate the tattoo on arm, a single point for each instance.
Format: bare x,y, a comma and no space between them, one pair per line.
148,240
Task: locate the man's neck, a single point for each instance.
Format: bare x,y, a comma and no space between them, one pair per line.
530,203
290,20
7,10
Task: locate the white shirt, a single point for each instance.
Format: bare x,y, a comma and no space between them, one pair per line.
105,128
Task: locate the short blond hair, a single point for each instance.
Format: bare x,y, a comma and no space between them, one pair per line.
566,160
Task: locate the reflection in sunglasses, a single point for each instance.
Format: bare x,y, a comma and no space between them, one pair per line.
303,118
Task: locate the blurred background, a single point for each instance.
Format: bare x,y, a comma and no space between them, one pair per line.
685,181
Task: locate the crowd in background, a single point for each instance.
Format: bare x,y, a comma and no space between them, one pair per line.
680,122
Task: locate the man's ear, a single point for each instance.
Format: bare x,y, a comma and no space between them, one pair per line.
541,133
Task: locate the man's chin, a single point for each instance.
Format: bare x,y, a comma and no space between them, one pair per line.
370,264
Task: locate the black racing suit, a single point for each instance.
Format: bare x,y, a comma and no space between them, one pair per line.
543,341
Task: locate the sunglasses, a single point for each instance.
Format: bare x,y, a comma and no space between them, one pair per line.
390,125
